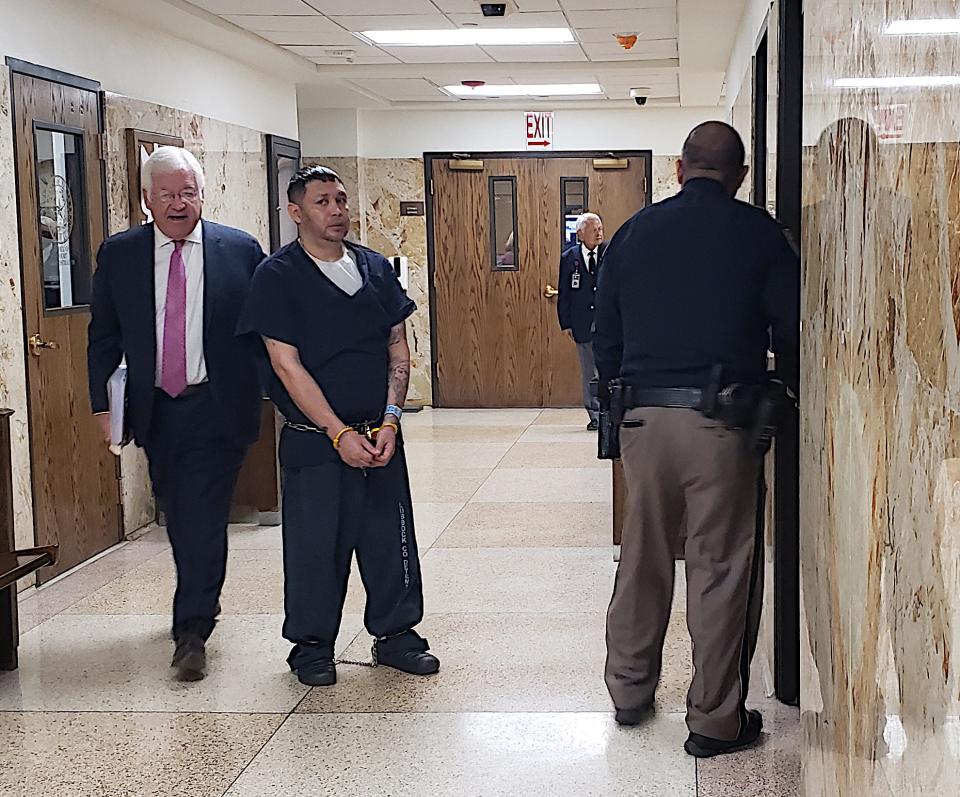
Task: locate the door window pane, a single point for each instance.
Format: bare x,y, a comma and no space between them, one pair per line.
62,219
574,200
503,224
286,169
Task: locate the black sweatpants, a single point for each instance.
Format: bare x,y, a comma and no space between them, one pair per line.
194,460
330,511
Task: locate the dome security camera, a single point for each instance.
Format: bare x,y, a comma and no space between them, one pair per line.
640,95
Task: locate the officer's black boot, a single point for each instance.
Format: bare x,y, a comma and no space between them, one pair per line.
406,652
705,747
312,665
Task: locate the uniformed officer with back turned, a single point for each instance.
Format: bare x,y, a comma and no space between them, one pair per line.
333,316
694,291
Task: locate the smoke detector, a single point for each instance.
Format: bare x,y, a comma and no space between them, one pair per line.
626,40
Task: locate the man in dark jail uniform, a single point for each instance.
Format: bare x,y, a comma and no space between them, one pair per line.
333,317
690,292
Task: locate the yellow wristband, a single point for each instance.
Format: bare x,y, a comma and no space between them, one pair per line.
391,425
341,433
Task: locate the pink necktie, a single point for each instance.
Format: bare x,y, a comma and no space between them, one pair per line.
173,370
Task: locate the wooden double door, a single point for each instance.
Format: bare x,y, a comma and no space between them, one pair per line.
500,224
57,126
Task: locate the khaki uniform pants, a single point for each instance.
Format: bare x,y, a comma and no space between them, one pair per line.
685,470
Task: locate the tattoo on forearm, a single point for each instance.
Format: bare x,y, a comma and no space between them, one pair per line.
398,382
397,334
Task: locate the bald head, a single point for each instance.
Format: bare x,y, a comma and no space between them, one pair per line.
714,150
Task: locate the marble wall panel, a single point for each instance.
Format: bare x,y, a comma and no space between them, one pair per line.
665,176
235,168
13,376
881,412
386,182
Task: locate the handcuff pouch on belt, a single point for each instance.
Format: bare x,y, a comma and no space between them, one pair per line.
612,408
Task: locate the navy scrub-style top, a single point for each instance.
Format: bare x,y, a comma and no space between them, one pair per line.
342,340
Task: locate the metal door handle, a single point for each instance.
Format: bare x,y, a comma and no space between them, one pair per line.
37,344
549,292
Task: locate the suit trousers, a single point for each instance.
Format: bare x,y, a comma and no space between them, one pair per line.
588,371
679,463
194,464
331,511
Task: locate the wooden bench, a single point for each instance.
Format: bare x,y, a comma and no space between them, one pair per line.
14,564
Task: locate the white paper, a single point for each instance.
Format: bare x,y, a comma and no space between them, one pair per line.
116,395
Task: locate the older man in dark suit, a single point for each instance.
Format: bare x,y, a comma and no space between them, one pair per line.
166,297
579,269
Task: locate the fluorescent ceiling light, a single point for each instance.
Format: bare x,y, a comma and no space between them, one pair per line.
905,82
514,90
466,36
923,27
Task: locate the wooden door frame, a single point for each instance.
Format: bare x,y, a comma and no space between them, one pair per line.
430,157
28,69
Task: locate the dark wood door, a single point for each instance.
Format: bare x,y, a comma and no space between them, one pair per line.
498,339
488,321
76,491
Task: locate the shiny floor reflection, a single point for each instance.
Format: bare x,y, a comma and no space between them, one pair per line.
513,518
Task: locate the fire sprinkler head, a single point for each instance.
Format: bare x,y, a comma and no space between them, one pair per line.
626,40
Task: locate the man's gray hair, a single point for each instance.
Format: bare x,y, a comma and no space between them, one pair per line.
583,218
169,159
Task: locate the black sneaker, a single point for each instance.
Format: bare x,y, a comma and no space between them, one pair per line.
593,426
190,658
705,747
322,672
411,658
312,664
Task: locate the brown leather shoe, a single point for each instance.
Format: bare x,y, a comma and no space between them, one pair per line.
190,659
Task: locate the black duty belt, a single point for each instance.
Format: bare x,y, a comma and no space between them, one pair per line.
687,398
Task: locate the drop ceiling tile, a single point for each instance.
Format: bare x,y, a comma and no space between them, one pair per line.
473,6
611,51
394,22
656,25
613,20
439,55
271,7
401,88
342,40
619,5
363,60
372,7
304,22
538,5
544,53
545,19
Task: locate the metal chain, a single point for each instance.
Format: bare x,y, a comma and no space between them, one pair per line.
303,427
371,664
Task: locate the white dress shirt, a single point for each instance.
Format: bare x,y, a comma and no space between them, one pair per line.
586,256
192,253
344,273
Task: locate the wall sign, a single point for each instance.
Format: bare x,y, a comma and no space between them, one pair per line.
538,130
411,209
889,121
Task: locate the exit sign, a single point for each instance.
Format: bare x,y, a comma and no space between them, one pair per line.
538,127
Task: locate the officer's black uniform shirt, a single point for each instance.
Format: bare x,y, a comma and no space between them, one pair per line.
697,280
342,340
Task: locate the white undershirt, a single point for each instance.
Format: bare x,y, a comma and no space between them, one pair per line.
343,273
586,255
192,253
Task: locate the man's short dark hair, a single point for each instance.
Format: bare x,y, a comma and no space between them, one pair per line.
298,183
714,147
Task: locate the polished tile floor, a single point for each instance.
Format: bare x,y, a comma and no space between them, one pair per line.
513,519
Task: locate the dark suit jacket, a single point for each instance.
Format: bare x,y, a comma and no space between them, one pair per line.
575,305
122,323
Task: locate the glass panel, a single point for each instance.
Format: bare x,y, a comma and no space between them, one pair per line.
62,219
574,200
286,168
503,224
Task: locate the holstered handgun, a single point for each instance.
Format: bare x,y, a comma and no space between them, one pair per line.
611,417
